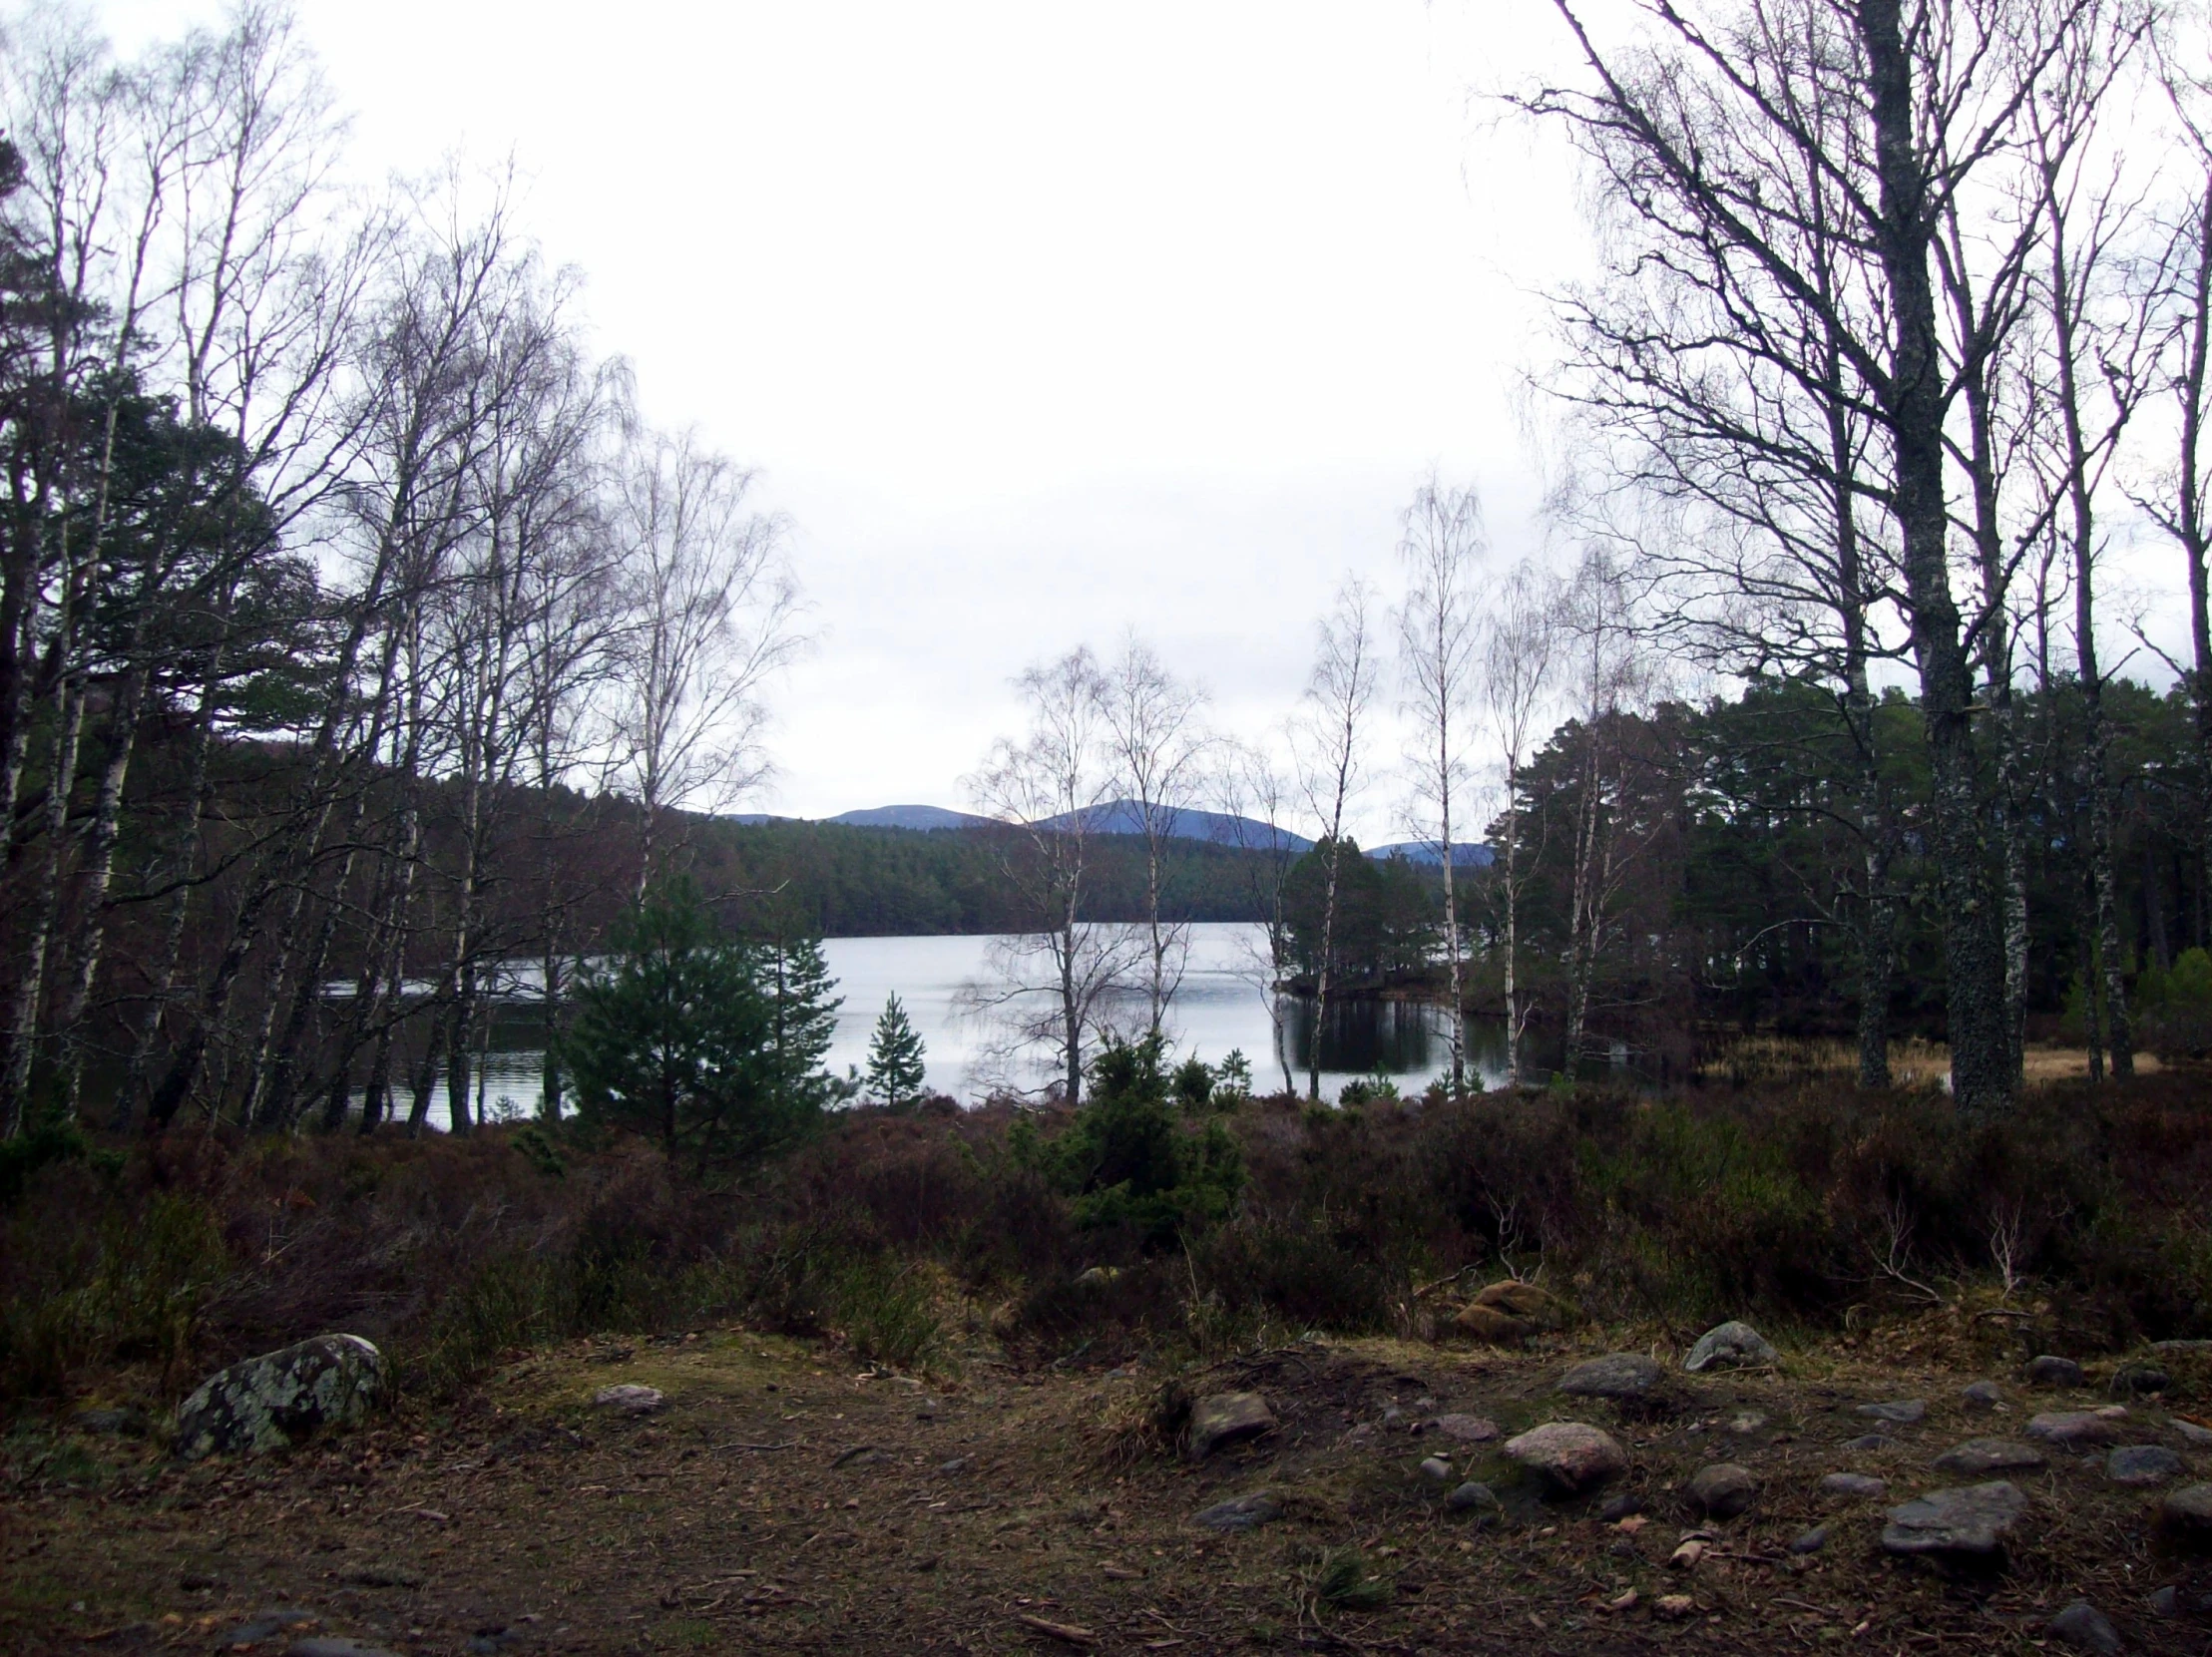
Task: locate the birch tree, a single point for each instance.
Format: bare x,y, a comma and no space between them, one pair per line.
1439,638
1329,743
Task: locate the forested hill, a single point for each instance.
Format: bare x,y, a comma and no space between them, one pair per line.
854,882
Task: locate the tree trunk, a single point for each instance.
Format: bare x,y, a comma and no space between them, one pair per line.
1982,1076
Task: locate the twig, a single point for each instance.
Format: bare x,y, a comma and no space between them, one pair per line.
1058,1630
791,1443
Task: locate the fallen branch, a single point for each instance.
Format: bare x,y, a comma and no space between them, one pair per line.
1067,1631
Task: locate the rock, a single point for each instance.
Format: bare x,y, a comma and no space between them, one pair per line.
1435,1467
128,1422
1625,1505
1487,1323
2054,1371
2187,1512
2181,1347
2138,1380
1868,1443
1902,1412
2074,1428
1858,1486
860,1456
1520,1300
1245,1512
325,1645
1617,1375
1468,1430
630,1398
1392,1419
1965,1524
1982,1394
1730,1346
1810,1541
1674,1607
1722,1491
1470,1497
1225,1419
265,1625
1980,1457
264,1402
1570,1455
2085,1628
2166,1602
2191,1434
1098,1277
2141,1465
958,1465
1749,1422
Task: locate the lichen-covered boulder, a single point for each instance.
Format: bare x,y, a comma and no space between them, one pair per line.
265,1403
1730,1346
1227,1419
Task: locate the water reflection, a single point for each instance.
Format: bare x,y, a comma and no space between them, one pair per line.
1222,1006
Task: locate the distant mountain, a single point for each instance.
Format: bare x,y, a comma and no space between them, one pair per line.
908,817
1215,827
1429,852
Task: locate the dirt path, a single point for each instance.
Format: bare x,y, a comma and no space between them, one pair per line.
779,1501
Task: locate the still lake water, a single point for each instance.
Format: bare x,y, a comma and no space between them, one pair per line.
1222,1006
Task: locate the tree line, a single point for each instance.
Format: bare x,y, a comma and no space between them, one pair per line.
337,567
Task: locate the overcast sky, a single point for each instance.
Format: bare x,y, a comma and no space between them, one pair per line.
1039,320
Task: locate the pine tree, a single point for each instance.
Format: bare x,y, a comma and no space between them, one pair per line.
895,1069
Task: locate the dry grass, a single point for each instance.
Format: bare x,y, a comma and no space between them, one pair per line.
1913,1063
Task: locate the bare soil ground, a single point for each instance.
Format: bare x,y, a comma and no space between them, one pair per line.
781,1501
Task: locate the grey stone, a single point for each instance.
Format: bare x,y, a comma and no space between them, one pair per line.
1981,1395
2074,1428
1901,1412
1730,1346
1868,1443
628,1399
1245,1512
2054,1371
1098,1277
2166,1602
1856,1485
1470,1497
1436,1469
2181,1346
1978,1458
956,1465
1722,1491
1570,1455
1617,1375
1620,1506
2085,1628
2142,1464
1225,1419
326,1646
1965,1524
2188,1511
266,1625
265,1403
2191,1434
1468,1430
1810,1541
2138,1380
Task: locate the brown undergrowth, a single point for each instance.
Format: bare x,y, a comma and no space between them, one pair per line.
2081,1225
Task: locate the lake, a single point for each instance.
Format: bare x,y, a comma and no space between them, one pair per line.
1222,1006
